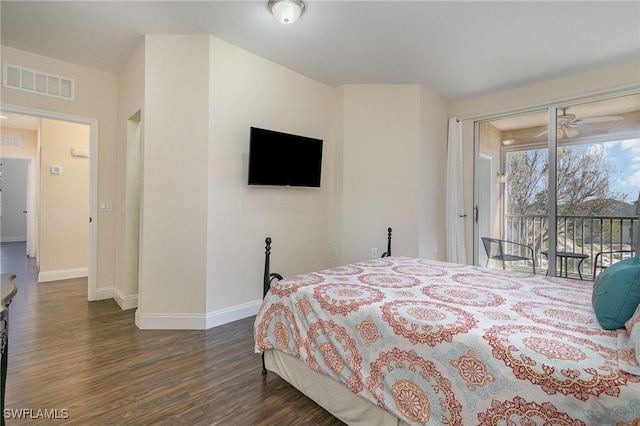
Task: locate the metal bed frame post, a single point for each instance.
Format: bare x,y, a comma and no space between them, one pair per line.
266,283
388,252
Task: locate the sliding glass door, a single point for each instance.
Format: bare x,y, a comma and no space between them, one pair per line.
561,201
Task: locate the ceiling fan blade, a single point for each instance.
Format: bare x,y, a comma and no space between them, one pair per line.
601,119
586,128
580,129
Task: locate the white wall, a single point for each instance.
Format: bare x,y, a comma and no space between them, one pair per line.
383,165
381,168
393,140
201,97
175,121
598,82
64,201
434,117
246,91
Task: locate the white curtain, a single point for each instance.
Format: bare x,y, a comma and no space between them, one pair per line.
455,239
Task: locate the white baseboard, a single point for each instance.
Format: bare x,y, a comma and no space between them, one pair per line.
195,321
62,274
169,321
235,313
103,293
125,302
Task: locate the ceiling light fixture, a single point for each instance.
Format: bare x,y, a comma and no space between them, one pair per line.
286,11
571,132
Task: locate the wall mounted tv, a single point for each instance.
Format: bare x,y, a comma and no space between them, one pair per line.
283,159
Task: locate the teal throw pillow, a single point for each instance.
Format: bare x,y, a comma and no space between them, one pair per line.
616,293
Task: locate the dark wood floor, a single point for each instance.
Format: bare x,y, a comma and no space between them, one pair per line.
88,361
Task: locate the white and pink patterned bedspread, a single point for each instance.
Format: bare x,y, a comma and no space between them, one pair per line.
440,343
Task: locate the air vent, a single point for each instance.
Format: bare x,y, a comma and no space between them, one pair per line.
12,141
15,77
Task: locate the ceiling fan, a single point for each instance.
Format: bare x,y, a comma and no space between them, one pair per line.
569,126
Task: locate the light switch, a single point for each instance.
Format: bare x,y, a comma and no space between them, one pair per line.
105,206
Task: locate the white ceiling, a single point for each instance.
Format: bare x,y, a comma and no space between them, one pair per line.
457,49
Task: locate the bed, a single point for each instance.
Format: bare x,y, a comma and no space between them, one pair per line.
401,340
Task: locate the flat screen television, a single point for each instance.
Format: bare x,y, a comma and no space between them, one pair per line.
282,159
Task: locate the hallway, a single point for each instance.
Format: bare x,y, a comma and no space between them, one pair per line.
14,260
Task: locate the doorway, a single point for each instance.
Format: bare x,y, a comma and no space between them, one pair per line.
92,159
129,299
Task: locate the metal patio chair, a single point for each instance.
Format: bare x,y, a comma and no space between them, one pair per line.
495,249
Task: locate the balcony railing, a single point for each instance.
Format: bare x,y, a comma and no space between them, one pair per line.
587,235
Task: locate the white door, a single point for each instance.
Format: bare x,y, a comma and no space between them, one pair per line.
14,199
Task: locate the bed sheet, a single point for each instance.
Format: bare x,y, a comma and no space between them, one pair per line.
441,343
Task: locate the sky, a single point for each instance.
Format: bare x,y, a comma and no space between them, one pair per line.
624,156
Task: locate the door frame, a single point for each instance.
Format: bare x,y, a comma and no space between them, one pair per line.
92,285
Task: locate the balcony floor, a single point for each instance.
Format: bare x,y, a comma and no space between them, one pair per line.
586,275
